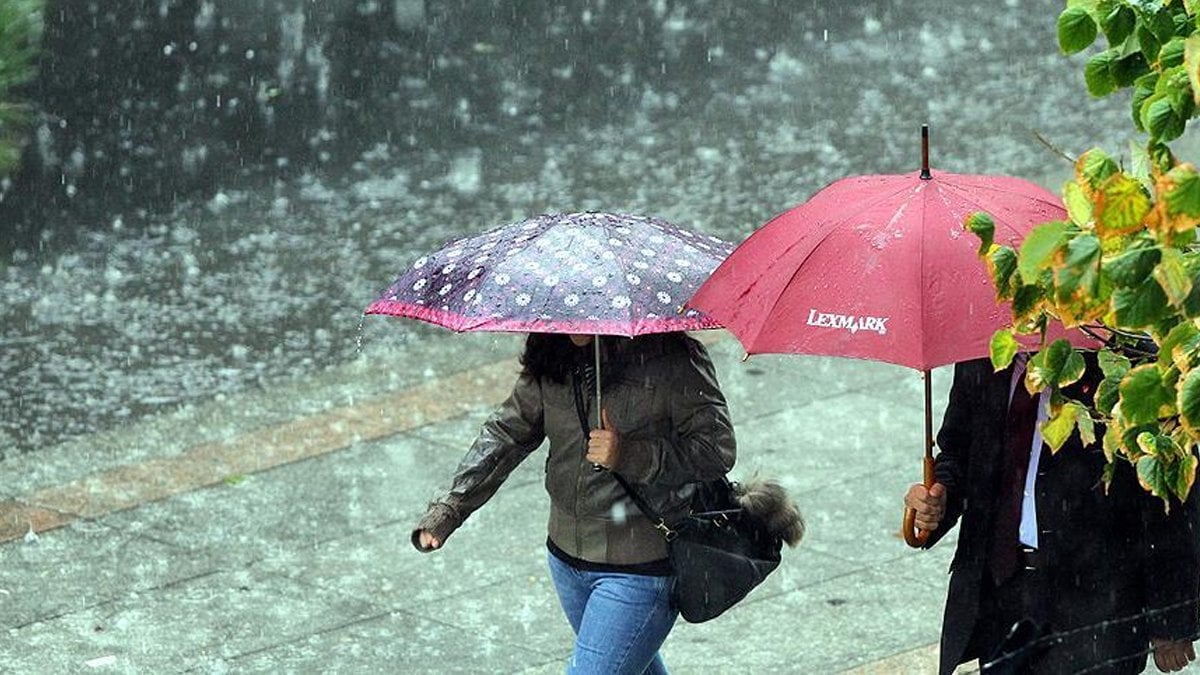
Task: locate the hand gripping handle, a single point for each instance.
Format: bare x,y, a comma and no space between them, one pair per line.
914,537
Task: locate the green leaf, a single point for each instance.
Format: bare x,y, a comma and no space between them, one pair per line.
1111,443
1087,428
1166,471
1094,167
1161,156
1058,365
1079,276
1172,277
1003,262
1079,207
1107,394
1161,23
1152,477
1191,61
1185,338
1025,300
1118,24
1038,248
1097,73
1141,94
1076,30
1188,403
1154,445
1172,53
1127,70
1058,427
1112,364
1003,348
1184,476
1173,84
1144,398
1132,266
981,225
1141,306
1161,120
1146,40
1184,197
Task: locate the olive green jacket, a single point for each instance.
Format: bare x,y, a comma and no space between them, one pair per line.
673,429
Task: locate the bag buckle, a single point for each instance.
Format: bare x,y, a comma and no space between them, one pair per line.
668,533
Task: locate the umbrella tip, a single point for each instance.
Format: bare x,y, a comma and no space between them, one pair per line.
745,357
925,175
680,309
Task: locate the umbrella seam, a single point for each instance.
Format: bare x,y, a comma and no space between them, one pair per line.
796,270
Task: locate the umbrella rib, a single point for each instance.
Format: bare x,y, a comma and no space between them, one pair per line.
832,225
968,197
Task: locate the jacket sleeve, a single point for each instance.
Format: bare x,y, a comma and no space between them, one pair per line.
508,436
702,446
1171,546
954,442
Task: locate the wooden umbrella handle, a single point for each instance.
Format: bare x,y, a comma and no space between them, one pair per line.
913,536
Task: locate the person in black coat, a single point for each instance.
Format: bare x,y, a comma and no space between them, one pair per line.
1089,581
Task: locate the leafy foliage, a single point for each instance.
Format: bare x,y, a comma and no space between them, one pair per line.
1125,265
20,40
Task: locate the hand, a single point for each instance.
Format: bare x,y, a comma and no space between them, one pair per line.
604,444
428,541
1172,655
930,505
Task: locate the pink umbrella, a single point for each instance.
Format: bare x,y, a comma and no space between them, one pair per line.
877,267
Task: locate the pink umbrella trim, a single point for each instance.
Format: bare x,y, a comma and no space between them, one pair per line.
691,320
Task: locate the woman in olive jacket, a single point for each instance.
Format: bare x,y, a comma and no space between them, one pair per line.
666,426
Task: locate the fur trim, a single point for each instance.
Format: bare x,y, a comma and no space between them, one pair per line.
768,501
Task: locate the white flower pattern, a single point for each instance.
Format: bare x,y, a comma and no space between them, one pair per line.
578,266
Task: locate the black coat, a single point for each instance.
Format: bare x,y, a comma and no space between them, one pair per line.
1108,557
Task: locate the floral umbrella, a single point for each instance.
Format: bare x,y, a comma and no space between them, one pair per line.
592,272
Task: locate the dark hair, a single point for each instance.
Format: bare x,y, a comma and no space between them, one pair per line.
554,357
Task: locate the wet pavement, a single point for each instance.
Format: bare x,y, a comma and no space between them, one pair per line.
242,536
225,541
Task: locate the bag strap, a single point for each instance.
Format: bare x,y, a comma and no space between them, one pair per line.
636,496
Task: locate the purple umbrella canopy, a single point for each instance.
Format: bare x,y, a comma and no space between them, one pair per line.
595,273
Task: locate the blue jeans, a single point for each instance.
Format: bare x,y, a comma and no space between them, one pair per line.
620,620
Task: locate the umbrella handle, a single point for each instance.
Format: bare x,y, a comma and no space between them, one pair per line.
914,537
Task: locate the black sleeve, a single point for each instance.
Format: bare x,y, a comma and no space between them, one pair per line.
1171,549
954,441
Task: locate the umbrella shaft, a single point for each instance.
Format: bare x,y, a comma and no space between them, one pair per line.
599,419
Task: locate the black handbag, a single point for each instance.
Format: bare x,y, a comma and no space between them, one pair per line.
718,551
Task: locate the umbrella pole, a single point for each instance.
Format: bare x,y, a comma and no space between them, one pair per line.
599,413
599,419
912,536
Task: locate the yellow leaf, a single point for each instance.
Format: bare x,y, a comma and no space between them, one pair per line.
1121,204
